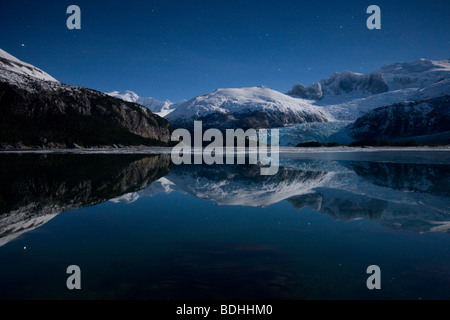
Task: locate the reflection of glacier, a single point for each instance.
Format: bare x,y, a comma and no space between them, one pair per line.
34,190
406,196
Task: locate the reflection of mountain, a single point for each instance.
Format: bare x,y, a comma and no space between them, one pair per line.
35,188
343,206
423,178
409,196
397,195
243,184
427,213
161,185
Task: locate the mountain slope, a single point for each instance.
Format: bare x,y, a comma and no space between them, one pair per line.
38,111
255,107
16,67
416,74
405,120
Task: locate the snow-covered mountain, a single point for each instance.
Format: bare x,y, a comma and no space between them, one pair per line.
342,83
161,108
348,95
321,111
416,74
254,107
126,95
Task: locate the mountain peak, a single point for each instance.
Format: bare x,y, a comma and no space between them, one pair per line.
126,95
342,83
248,107
7,56
10,64
161,108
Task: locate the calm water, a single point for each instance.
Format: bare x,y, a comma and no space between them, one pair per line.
141,228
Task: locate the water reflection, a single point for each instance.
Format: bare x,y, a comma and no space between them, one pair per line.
35,188
396,195
421,178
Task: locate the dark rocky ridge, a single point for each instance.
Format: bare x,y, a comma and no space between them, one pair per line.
61,116
405,120
38,111
342,83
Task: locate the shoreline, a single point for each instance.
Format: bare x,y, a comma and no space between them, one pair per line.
292,150
411,155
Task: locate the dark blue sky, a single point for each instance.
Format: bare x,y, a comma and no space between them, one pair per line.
180,49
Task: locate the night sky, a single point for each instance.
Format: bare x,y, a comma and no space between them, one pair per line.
179,49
